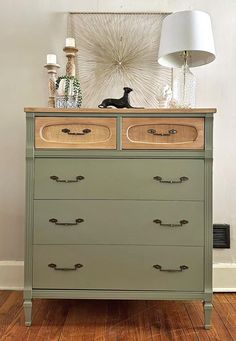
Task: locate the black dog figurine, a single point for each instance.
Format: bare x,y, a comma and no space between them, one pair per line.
122,102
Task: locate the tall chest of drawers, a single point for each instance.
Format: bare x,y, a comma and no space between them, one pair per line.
119,205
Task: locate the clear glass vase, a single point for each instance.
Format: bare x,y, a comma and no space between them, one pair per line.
66,102
184,86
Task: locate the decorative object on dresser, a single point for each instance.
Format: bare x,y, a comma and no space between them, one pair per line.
118,50
52,68
97,229
122,102
165,97
68,87
186,41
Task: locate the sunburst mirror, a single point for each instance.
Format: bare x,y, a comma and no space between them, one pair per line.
118,50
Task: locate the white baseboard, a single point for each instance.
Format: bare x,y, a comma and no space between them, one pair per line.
224,277
12,276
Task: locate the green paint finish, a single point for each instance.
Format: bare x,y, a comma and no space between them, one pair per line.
122,154
29,219
208,307
118,267
118,199
119,222
120,294
119,179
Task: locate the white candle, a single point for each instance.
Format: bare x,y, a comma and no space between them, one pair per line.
51,59
70,42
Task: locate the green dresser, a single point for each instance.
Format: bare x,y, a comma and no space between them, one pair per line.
119,205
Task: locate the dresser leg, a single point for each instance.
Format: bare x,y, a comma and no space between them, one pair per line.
207,314
28,312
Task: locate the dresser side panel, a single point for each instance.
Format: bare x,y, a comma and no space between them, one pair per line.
29,219
208,205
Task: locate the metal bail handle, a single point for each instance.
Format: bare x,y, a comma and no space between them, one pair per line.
54,266
181,223
154,132
84,131
77,179
181,179
77,221
181,268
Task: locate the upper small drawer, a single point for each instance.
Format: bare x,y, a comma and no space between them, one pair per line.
78,132
163,133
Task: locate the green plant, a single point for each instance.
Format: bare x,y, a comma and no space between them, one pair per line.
76,88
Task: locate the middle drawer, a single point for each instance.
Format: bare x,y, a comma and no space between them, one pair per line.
152,179
118,222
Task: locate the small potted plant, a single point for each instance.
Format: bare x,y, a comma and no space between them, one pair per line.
68,92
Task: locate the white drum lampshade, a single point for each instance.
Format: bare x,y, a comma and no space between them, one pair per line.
186,40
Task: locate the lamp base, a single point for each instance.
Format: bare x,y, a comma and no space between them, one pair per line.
184,86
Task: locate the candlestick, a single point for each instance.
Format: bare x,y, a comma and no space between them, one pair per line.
68,86
51,59
52,77
70,42
70,54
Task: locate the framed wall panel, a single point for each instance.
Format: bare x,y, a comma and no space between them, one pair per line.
117,50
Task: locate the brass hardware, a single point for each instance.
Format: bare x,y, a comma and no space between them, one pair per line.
77,221
54,266
181,223
181,268
181,179
84,131
154,132
77,179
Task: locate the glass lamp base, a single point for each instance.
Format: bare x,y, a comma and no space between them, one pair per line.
184,86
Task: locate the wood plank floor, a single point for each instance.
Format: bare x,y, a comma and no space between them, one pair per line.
103,320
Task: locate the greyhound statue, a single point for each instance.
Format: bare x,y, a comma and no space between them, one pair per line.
122,102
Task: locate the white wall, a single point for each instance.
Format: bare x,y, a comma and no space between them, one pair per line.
31,29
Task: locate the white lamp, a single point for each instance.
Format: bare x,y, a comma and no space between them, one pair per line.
186,41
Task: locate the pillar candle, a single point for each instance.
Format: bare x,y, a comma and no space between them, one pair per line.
70,42
51,59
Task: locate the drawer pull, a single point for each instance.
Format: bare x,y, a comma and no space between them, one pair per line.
77,179
84,132
182,179
154,132
181,223
77,221
54,266
181,268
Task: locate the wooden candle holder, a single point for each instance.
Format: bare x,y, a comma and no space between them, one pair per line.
70,54
52,77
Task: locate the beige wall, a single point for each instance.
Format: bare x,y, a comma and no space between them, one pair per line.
31,29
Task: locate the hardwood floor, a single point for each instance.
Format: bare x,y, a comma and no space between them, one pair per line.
90,320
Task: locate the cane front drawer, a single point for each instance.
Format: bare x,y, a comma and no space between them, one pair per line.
118,222
77,132
156,179
129,267
163,133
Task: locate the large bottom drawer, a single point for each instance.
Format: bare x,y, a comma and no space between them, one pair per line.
118,267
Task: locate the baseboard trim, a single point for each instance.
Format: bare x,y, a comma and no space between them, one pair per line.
224,277
12,276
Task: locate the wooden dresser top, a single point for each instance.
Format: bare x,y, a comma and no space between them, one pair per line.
123,111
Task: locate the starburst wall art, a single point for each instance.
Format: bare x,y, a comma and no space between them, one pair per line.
118,50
